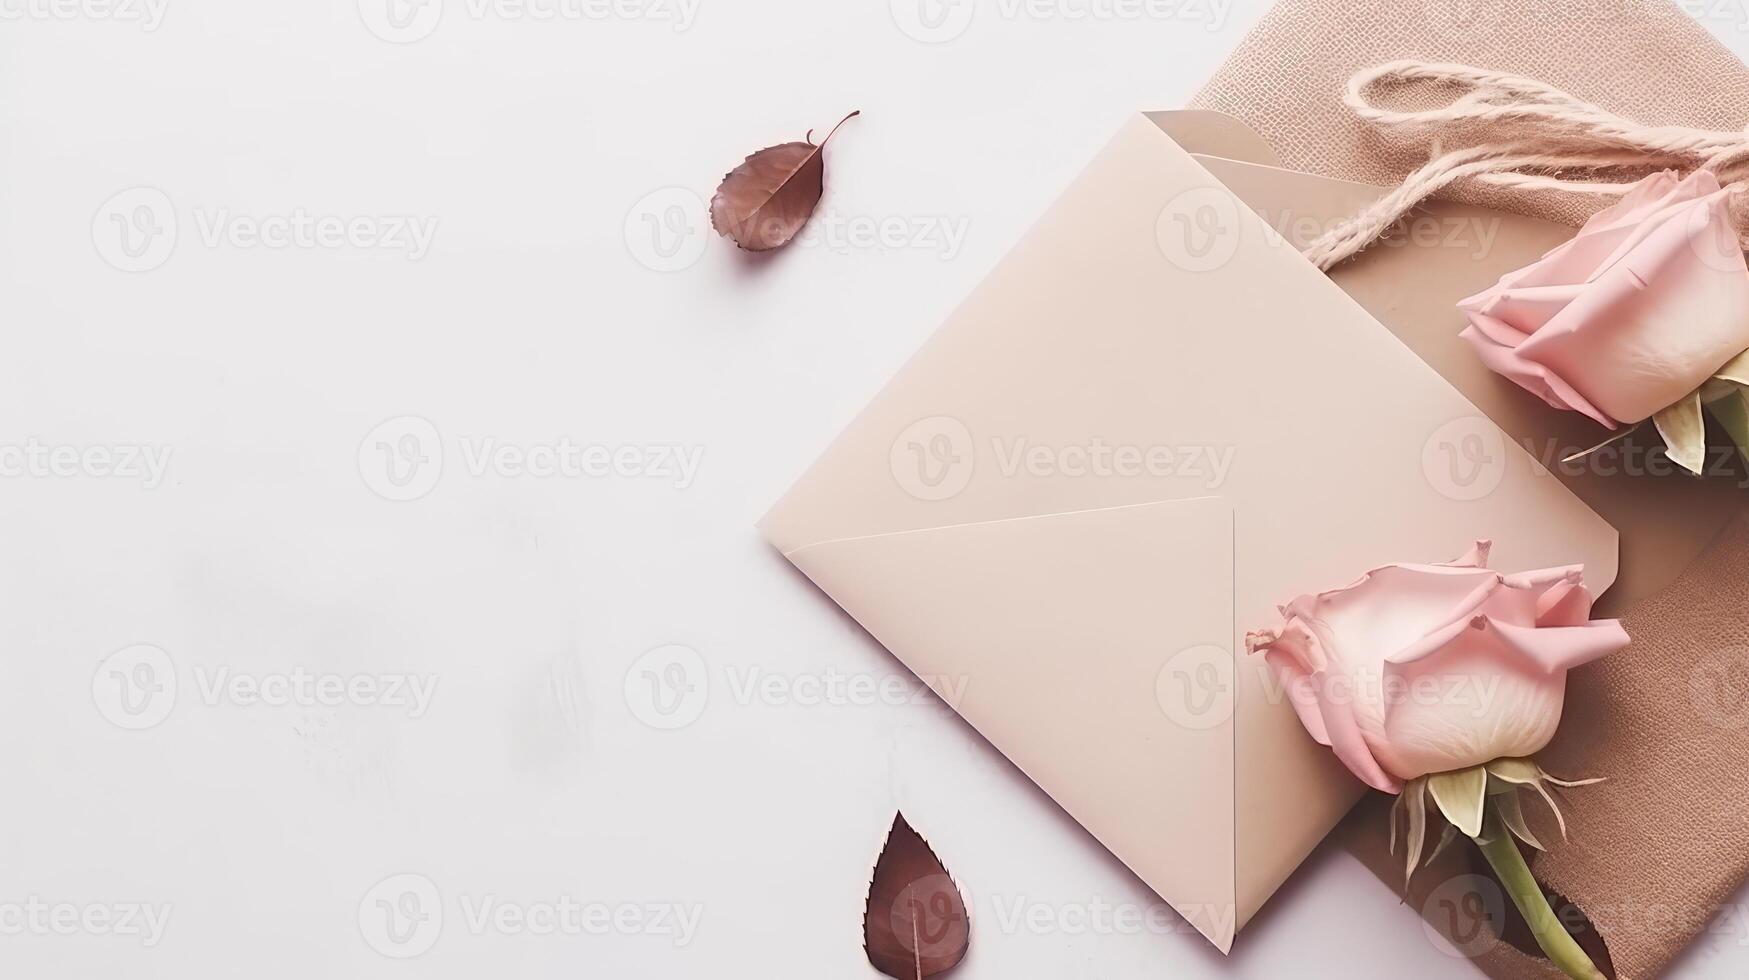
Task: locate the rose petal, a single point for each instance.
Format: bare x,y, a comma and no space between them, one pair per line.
1346,740
1562,648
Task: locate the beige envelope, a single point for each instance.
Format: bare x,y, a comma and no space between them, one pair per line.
1153,422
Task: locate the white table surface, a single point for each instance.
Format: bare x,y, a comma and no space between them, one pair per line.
536,775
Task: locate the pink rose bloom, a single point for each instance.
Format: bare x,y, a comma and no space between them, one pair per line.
1419,669
1630,317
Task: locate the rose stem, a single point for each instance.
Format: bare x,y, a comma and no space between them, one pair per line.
1502,852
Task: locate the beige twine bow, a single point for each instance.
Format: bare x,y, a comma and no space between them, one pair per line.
1551,133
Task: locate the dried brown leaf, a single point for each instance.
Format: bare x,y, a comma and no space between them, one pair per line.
916,924
765,201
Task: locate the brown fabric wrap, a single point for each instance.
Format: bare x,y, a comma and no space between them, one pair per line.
1658,849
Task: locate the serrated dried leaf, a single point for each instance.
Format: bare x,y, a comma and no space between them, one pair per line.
766,200
916,924
1460,796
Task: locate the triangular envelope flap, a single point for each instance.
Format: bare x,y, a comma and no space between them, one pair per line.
1412,283
1095,650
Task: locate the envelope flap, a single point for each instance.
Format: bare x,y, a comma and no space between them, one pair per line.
1412,281
1215,134
1096,649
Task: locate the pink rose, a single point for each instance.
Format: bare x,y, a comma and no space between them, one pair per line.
1630,317
1419,669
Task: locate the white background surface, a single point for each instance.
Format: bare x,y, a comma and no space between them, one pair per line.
538,314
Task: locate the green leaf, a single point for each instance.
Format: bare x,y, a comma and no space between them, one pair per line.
1460,795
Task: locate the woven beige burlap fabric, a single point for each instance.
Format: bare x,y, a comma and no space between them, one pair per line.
1647,60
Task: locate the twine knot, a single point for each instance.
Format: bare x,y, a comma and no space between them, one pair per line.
1536,136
